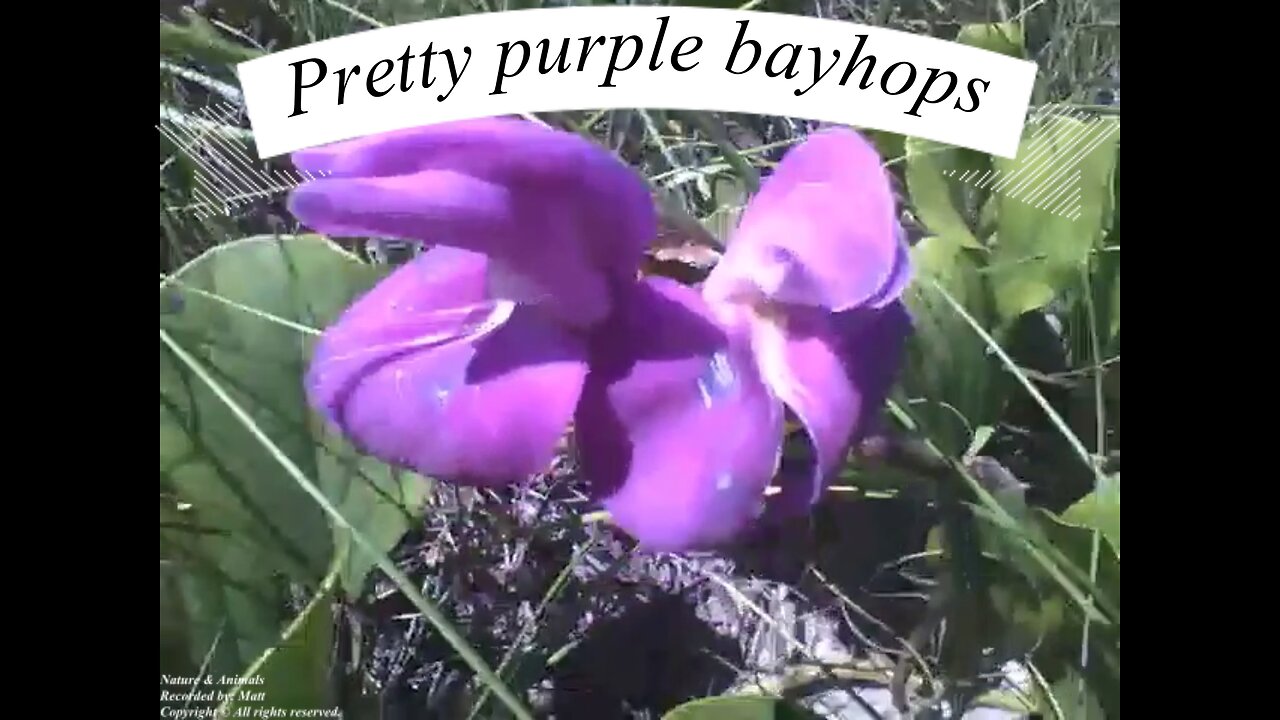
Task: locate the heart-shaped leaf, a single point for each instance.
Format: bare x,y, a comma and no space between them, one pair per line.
1055,204
945,183
234,526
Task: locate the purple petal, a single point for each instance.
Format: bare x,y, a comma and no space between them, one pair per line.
592,195
530,234
427,372
442,207
835,373
899,277
823,230
676,432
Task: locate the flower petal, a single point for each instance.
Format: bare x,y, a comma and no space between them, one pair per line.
834,373
608,206
426,371
823,230
900,276
676,432
530,234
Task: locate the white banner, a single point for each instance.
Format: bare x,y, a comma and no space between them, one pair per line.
678,58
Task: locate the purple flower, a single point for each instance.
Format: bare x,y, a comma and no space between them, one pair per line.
527,315
814,274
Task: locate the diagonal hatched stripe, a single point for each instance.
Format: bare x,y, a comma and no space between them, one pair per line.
1047,175
226,176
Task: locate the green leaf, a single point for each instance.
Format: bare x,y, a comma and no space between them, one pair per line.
175,654
1099,510
294,674
222,558
981,436
952,382
233,524
1004,38
739,707
1076,544
1055,206
942,181
1029,616
377,499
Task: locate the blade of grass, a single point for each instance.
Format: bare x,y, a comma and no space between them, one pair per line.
732,155
1100,440
429,610
305,330
1045,690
